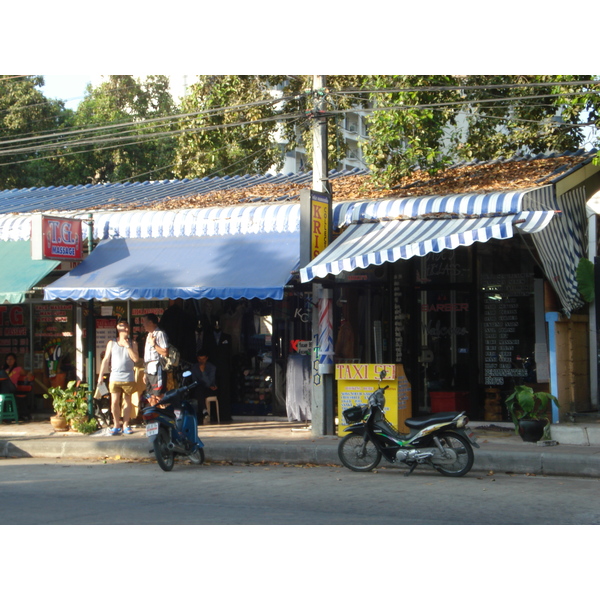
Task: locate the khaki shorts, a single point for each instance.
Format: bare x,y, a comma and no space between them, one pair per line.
126,387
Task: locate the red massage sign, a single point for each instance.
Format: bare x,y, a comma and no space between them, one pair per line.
56,238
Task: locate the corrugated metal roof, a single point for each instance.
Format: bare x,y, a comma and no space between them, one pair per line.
141,194
473,176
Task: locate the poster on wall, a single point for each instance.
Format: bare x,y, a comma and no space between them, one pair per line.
105,331
53,339
505,302
14,331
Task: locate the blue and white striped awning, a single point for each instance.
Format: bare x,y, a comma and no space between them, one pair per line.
400,228
365,244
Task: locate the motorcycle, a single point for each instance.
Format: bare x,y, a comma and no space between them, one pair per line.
172,427
442,440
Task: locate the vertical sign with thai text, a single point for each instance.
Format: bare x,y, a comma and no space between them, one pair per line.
315,224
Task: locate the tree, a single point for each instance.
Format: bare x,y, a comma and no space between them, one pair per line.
24,112
230,126
428,122
126,131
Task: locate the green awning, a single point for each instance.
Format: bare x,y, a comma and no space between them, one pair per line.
18,272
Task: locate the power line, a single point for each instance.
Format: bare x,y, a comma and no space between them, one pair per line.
141,137
167,118
453,103
458,87
117,146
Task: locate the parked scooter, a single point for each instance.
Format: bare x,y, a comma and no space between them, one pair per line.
441,440
172,428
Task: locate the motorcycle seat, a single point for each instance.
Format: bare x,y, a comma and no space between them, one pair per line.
425,421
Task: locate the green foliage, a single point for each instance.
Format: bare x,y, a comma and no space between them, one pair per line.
524,403
424,128
127,128
406,129
70,402
25,111
585,279
138,146
85,426
232,128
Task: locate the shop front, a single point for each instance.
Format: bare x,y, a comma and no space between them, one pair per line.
226,293
459,302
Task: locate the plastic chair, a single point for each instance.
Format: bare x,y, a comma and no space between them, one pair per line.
209,401
8,408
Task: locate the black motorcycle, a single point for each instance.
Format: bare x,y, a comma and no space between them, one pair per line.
172,428
442,440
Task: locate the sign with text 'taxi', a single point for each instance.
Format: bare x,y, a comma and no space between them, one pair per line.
56,238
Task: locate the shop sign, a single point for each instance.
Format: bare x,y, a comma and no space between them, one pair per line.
364,372
446,307
14,334
56,238
300,346
315,224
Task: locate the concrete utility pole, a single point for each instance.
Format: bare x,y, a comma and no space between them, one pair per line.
91,330
322,381
320,170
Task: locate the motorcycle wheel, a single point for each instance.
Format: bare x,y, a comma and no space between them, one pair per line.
197,456
464,455
164,457
356,455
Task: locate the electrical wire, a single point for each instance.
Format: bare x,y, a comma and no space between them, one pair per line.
458,87
71,153
176,117
126,136
140,137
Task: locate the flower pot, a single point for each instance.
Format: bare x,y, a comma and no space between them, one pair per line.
76,421
59,423
532,430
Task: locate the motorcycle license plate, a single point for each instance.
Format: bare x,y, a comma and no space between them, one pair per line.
471,435
151,429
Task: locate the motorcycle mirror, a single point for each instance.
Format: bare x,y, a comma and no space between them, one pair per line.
186,374
382,374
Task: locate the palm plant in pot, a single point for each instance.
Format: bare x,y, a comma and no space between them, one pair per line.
528,411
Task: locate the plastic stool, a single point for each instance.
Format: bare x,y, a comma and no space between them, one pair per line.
8,408
214,399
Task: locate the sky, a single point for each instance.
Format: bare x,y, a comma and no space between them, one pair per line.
71,88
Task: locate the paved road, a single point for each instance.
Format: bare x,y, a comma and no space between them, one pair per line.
38,491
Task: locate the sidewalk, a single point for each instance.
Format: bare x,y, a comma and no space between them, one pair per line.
246,440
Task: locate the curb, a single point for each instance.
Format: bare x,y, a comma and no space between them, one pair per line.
553,460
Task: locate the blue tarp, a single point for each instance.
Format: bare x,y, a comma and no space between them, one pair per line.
222,266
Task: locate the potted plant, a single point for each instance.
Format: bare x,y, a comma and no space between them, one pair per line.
71,407
528,411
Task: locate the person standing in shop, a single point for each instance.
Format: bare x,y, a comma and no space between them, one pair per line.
121,354
219,347
180,327
156,346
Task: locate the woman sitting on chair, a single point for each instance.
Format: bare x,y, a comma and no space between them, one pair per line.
22,381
